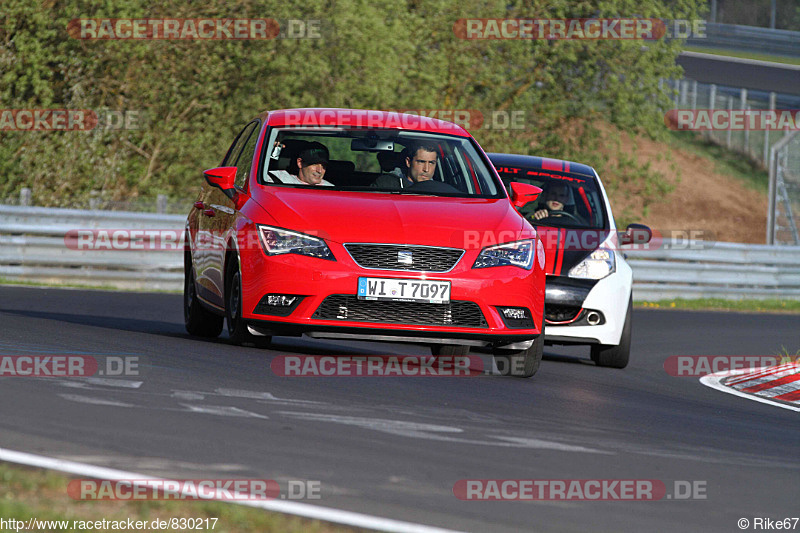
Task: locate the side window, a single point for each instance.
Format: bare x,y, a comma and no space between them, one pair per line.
236,147
245,159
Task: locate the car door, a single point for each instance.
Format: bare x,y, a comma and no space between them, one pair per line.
214,221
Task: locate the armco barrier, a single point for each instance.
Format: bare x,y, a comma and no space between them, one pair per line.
33,248
716,270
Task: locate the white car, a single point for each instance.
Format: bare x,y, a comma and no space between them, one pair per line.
589,283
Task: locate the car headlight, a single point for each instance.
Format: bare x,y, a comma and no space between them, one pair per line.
519,254
598,265
276,241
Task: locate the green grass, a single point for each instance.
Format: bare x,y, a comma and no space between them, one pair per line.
719,304
25,283
744,55
725,160
27,493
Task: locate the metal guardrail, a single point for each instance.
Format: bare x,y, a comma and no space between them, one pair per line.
33,248
703,269
749,39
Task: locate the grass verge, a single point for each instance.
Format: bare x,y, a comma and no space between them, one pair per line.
720,304
27,493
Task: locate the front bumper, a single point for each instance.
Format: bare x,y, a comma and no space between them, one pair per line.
324,287
577,300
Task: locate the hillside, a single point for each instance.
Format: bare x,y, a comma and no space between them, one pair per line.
707,196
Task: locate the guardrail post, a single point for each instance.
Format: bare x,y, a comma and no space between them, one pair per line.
712,102
772,99
25,197
728,138
744,107
161,204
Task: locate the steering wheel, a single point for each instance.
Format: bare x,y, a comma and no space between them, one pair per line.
560,214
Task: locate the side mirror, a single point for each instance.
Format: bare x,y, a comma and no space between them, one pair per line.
635,234
222,178
523,193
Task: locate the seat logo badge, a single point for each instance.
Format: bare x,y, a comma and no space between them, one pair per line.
404,258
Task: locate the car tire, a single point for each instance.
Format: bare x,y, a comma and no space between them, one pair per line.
237,327
522,363
198,320
615,356
449,349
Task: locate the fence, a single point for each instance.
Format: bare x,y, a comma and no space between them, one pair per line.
783,217
756,144
33,248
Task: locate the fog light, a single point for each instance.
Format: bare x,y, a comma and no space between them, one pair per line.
280,300
514,313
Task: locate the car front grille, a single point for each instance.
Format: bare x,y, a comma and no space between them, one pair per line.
404,257
349,307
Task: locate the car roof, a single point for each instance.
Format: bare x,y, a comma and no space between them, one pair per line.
322,116
541,163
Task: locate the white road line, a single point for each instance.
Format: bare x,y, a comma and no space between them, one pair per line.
306,510
111,382
222,410
715,382
259,395
94,401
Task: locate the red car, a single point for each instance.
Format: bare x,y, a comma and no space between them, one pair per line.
369,225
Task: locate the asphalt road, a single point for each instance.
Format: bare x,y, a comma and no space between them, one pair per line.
395,447
735,72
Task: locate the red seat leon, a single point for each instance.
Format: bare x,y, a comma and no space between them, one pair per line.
367,225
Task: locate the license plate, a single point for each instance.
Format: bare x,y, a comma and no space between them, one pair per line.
404,290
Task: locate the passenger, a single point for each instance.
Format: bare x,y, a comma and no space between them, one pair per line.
309,167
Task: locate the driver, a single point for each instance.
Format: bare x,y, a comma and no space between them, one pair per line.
555,200
420,166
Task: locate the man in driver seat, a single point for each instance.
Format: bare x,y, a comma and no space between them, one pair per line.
420,166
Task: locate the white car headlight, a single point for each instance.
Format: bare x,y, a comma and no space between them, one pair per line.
598,265
519,254
276,241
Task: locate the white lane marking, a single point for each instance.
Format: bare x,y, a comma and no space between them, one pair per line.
715,382
435,432
549,445
259,395
306,510
187,395
94,401
393,427
110,382
222,410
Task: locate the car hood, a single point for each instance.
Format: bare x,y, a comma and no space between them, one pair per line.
565,248
339,216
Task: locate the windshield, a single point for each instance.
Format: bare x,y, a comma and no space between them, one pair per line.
379,161
567,201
